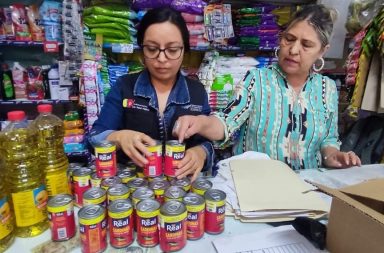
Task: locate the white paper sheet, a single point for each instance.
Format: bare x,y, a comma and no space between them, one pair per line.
283,239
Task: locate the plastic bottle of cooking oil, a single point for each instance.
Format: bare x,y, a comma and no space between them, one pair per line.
23,176
51,151
7,222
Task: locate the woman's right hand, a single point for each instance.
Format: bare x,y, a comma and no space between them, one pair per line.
134,144
186,126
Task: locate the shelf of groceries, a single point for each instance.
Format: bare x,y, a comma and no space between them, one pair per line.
34,102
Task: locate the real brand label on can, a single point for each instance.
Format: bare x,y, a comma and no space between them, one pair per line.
174,152
106,160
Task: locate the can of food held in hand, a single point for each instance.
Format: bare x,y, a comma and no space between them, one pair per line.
95,196
126,175
174,193
93,229
147,222
214,211
173,229
184,183
195,204
105,152
120,223
109,182
201,185
61,217
81,183
154,167
137,183
159,186
174,152
118,191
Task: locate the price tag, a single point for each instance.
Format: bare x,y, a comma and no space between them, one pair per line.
51,47
122,48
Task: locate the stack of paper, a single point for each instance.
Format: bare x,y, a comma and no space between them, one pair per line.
270,191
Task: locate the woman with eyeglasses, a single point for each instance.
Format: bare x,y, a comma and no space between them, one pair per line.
288,110
144,107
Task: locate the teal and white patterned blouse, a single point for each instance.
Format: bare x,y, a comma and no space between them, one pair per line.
268,116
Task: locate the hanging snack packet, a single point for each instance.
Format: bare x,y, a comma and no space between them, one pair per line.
19,19
34,23
8,24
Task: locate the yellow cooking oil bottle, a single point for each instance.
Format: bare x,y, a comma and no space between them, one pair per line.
50,130
23,176
7,222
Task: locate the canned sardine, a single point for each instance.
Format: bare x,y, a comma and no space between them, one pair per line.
118,191
105,152
120,223
126,175
95,180
184,183
109,182
214,211
93,229
173,229
81,183
147,222
137,183
142,193
61,217
195,204
154,167
159,186
174,152
201,185
95,196
174,193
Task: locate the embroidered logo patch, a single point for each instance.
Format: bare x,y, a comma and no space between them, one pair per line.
128,103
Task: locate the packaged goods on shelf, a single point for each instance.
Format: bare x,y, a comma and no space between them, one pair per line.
50,14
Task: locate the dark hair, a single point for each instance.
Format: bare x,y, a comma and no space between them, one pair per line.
320,17
160,15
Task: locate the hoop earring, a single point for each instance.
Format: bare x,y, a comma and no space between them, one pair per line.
276,52
321,66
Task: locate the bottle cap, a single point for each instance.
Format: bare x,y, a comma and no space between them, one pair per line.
44,108
16,115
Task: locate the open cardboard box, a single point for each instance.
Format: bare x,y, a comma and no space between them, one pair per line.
356,218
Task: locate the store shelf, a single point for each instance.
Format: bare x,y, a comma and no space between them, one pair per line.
22,43
34,102
82,153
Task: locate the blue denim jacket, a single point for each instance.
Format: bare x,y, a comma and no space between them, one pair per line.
111,117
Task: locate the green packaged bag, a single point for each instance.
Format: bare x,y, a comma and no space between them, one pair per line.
113,10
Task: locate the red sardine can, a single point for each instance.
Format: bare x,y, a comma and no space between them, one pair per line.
120,223
173,229
81,183
154,167
195,205
93,229
147,212
214,211
174,152
159,186
61,217
105,152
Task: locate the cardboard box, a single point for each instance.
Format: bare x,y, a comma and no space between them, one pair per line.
356,218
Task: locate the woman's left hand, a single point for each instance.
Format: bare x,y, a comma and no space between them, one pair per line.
339,159
192,163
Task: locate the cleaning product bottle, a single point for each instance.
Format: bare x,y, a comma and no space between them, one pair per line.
7,225
51,151
24,178
54,82
7,88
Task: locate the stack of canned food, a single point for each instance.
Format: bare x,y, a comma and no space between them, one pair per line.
117,200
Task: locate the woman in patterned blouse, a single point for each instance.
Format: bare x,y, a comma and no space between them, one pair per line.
287,110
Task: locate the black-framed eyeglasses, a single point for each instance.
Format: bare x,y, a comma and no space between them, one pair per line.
153,52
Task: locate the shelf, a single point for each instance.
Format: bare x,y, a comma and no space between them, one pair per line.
23,43
35,102
129,48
